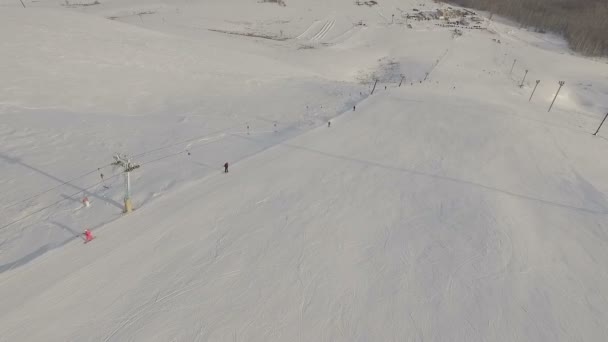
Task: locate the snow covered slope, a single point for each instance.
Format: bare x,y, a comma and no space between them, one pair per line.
448,209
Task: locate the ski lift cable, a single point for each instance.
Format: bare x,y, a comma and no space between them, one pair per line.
55,187
107,165
70,197
111,177
101,182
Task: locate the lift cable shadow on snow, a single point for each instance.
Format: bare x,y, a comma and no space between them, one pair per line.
86,190
68,182
604,211
68,197
98,169
13,160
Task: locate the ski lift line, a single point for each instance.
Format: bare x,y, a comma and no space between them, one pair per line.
55,187
186,141
96,184
113,176
111,164
108,165
177,153
69,197
88,188
189,140
164,157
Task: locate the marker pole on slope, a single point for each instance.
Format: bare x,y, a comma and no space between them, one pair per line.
513,66
523,79
598,129
537,82
561,84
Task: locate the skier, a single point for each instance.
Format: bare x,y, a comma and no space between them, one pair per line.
226,167
328,123
354,108
103,182
88,236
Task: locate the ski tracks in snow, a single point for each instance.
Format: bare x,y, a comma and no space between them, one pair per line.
321,33
305,33
329,25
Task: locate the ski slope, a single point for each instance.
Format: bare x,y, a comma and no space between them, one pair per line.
448,209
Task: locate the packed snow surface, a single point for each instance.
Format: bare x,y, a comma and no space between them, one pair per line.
445,206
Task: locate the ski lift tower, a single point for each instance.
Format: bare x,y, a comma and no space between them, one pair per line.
125,162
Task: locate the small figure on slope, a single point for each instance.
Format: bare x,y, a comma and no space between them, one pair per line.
88,236
226,167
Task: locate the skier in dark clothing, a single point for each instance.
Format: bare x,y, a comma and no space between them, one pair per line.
226,167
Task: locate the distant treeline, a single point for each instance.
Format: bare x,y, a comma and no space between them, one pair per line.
584,23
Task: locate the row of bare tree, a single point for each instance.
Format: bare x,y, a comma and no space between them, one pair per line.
584,23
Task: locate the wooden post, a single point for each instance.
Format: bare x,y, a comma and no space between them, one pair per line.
374,87
513,66
523,79
561,84
598,129
537,82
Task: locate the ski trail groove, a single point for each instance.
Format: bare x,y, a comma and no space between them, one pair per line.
307,30
329,25
329,28
316,36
